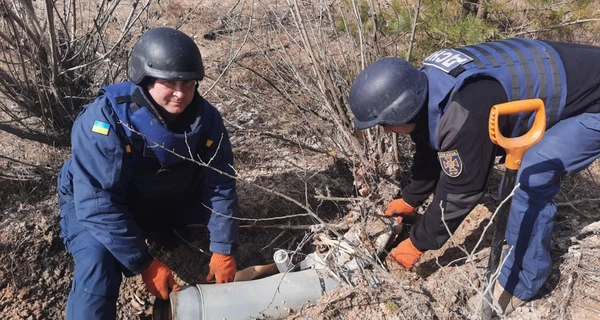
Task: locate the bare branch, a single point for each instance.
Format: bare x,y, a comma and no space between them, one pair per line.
269,190
52,45
236,53
562,25
26,164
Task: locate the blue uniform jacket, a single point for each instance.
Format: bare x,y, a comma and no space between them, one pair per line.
118,182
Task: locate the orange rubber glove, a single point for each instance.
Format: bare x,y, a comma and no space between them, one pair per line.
399,207
406,254
222,267
159,279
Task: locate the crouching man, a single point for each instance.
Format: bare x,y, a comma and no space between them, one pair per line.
130,176
445,106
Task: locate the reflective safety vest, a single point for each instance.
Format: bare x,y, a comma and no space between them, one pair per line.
158,155
525,68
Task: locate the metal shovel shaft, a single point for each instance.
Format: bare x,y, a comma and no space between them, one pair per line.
500,221
515,149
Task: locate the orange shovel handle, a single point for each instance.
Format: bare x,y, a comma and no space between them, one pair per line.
515,147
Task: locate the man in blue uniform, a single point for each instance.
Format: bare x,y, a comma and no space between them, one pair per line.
135,171
445,105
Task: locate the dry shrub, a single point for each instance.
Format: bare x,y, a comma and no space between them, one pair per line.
54,58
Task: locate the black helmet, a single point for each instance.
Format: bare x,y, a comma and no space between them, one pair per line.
389,91
165,53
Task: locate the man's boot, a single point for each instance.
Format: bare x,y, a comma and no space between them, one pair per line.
506,301
503,301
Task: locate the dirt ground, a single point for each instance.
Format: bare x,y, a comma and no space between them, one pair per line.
36,270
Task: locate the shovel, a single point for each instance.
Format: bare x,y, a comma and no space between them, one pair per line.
515,149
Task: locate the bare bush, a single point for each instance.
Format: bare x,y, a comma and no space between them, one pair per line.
300,58
53,57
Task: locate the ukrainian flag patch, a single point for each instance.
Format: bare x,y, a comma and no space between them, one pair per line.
101,127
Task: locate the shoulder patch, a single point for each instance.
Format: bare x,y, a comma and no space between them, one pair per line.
451,163
447,59
101,127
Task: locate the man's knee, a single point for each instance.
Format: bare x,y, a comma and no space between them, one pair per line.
540,172
96,280
97,271
83,305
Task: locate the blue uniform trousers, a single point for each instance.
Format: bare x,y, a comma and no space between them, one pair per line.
568,147
98,275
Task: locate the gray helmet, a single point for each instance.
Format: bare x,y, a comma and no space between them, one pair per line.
165,53
389,91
